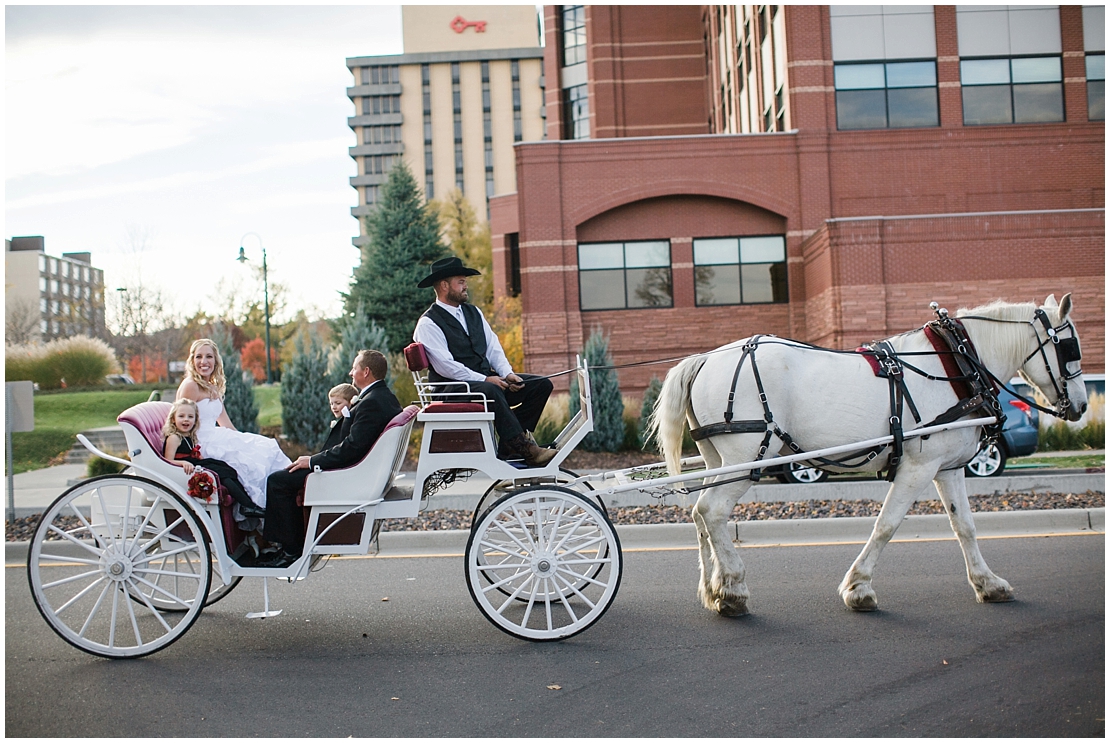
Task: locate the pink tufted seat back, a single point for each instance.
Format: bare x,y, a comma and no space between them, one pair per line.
148,418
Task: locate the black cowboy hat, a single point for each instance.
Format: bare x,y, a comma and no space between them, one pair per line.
445,268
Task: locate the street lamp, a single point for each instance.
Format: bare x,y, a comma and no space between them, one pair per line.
266,293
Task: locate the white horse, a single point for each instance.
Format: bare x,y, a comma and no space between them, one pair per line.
826,399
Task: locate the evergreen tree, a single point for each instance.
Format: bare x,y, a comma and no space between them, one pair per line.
404,241
239,396
305,414
356,332
605,392
651,395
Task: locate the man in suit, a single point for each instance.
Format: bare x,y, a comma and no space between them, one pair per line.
370,412
462,347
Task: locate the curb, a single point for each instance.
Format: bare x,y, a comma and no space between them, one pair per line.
854,529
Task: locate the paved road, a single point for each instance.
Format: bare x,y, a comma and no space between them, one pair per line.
341,661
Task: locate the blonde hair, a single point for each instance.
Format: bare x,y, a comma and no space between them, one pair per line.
346,391
170,427
217,385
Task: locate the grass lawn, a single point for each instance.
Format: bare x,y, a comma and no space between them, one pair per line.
60,417
268,400
1078,461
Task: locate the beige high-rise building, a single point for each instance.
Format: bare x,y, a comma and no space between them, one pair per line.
468,87
46,298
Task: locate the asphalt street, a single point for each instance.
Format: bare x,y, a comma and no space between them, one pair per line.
342,660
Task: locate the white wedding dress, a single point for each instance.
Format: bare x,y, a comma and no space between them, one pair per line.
253,457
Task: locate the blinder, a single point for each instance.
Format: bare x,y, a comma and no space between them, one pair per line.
1067,352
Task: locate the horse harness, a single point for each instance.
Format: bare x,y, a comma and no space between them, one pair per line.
972,382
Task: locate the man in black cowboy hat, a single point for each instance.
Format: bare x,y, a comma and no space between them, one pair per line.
462,347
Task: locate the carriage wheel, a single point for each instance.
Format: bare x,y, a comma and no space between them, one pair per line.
119,566
569,476
543,563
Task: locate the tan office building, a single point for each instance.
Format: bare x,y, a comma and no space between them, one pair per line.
46,298
469,86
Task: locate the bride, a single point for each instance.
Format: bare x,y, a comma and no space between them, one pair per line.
252,456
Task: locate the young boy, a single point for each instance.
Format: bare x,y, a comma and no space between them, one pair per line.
339,397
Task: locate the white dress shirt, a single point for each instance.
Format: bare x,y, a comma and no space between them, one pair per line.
435,343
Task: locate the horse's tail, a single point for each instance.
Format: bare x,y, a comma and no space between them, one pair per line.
669,416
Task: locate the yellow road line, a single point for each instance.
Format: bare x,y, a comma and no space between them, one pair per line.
691,548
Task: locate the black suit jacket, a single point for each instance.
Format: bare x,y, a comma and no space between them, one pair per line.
335,435
370,413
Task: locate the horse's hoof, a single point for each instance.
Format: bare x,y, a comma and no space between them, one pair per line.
861,598
733,608
995,595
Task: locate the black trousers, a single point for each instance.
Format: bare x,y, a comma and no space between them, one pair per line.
284,518
513,412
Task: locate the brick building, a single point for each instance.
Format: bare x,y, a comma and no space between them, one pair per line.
815,172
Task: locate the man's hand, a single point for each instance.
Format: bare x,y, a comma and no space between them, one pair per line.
498,382
515,383
302,463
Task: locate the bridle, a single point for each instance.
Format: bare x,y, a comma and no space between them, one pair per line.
1067,352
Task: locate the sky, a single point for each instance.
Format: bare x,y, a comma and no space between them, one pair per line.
156,137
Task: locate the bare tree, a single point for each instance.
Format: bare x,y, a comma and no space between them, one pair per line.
139,312
21,322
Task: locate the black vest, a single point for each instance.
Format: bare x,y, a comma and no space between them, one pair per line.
468,350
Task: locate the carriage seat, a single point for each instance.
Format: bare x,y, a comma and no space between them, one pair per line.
369,477
416,356
148,419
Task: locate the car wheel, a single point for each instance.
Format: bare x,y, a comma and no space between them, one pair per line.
799,473
988,462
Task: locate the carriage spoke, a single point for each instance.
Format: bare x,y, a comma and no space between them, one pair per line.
131,613
70,579
107,521
112,623
153,586
95,609
573,588
143,560
79,595
69,537
64,559
157,614
498,584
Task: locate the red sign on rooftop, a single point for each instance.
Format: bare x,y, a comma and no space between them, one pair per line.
460,24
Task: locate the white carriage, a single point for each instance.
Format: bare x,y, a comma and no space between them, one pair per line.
122,565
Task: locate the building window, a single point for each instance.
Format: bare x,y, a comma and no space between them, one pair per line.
740,270
614,276
372,195
513,239
429,189
577,107
374,105
377,164
1017,90
382,75
886,95
43,306
42,283
390,134
574,34
1096,82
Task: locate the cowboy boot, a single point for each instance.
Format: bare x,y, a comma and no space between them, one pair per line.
532,455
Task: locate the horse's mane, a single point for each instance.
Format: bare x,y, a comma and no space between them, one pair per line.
1004,341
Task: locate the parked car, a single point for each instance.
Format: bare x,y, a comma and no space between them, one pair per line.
1018,439
118,379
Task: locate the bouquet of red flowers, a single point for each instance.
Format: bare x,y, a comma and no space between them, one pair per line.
202,485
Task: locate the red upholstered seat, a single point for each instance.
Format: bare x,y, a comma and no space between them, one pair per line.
402,418
416,357
455,407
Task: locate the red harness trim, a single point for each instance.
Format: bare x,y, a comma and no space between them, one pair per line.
948,361
869,355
